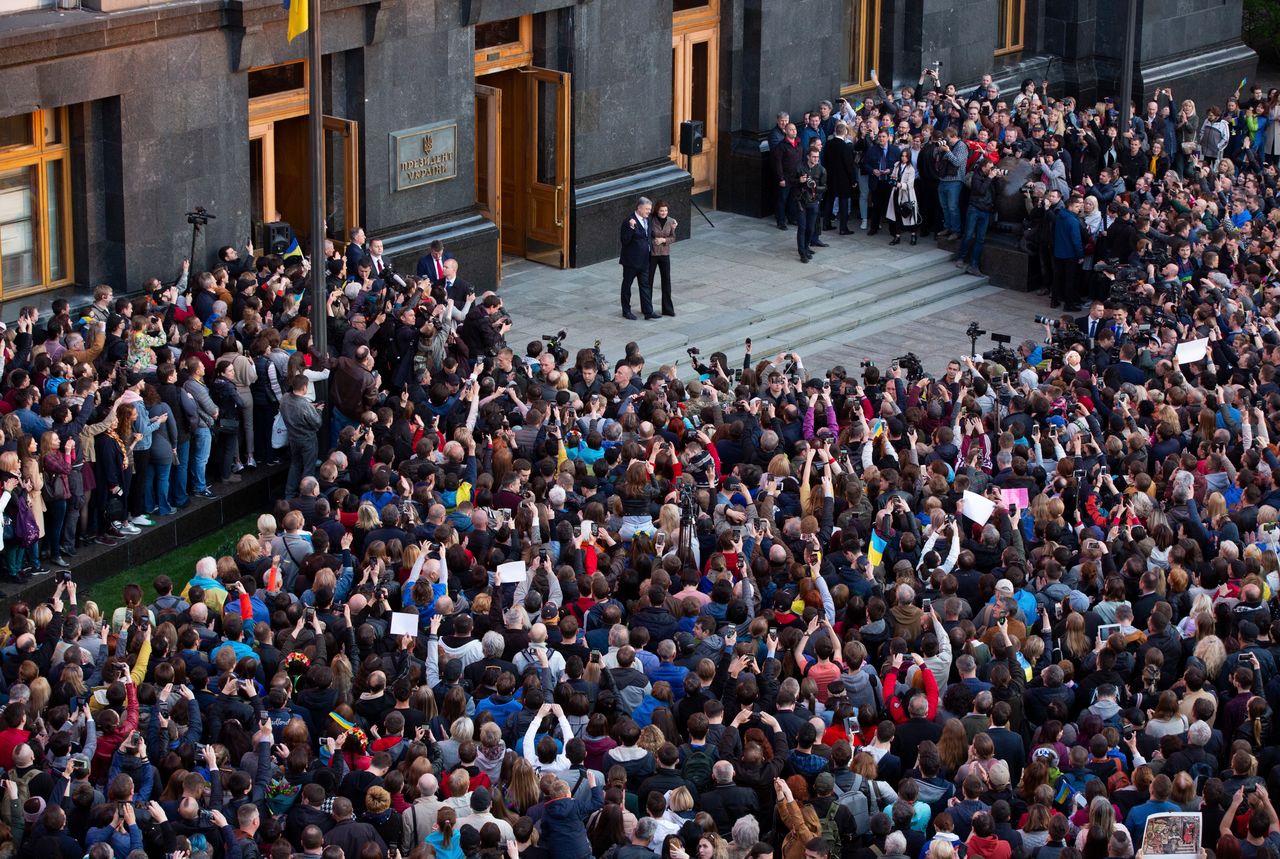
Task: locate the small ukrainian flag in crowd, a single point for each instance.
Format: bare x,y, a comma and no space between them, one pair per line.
875,553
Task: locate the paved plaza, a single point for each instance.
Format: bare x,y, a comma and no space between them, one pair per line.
859,299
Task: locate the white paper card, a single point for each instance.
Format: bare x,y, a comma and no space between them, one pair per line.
512,571
978,507
1192,350
404,623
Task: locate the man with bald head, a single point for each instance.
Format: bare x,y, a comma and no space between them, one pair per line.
353,389
419,819
727,802
538,654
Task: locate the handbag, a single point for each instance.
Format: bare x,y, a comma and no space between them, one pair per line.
279,432
114,508
227,426
25,528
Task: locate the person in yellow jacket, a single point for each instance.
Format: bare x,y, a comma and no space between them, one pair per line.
112,671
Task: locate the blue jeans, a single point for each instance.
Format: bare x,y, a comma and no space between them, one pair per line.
178,474
949,200
201,445
780,208
157,490
975,233
806,227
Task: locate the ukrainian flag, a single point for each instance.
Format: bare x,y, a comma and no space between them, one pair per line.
875,553
295,249
297,17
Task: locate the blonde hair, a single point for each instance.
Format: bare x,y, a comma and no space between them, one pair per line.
1213,653
680,799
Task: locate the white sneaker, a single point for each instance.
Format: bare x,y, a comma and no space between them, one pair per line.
141,519
237,468
127,527
864,224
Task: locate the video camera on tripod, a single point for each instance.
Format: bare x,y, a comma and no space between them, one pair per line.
911,363
1002,354
555,345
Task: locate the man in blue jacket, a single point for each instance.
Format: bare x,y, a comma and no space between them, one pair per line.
564,829
1068,254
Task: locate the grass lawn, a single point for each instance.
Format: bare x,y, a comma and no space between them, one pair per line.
177,565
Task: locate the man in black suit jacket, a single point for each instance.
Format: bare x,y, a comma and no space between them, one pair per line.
842,176
1095,321
455,287
634,259
1009,746
355,249
431,264
877,165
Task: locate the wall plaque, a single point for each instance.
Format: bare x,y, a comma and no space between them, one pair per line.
419,156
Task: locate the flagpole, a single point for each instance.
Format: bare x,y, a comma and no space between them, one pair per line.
319,265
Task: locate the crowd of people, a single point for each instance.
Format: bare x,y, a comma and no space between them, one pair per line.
539,604
1178,185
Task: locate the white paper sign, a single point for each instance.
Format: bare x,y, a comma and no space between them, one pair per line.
404,623
512,571
977,507
1192,350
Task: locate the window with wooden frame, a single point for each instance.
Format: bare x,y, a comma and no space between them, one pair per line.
1011,17
279,92
864,44
35,202
685,13
505,44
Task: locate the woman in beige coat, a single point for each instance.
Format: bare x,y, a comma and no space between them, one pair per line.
246,375
662,234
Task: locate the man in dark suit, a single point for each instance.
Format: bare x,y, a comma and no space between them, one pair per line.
634,259
914,731
842,176
455,287
1095,321
431,265
1009,746
877,165
355,249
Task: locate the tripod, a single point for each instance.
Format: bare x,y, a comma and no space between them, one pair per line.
197,219
688,168
195,231
688,521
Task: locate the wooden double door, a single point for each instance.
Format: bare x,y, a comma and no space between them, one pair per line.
523,160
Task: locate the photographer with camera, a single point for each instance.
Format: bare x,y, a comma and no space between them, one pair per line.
978,218
808,185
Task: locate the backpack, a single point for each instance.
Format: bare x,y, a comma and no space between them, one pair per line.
1210,141
1201,771
856,800
696,768
24,784
831,830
